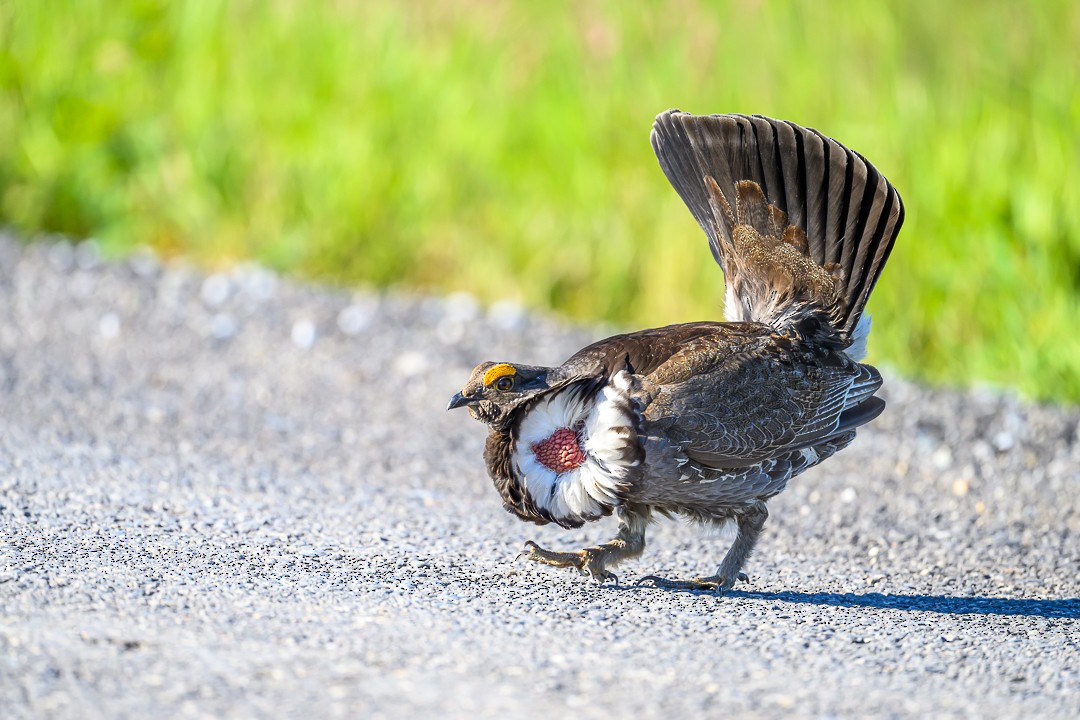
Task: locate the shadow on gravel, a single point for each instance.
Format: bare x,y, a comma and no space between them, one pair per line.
1064,608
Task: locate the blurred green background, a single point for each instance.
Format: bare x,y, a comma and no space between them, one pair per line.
501,148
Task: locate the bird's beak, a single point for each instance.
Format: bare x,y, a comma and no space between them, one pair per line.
459,400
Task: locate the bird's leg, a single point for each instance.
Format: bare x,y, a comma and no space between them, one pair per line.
750,524
594,561
749,521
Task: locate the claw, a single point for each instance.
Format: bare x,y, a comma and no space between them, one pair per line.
604,577
527,551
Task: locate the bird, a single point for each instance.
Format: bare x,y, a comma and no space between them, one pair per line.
709,420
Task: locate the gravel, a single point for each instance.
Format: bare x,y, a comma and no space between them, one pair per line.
235,495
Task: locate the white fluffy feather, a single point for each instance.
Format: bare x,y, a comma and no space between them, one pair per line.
592,488
734,311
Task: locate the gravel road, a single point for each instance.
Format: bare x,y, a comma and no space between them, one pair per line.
235,495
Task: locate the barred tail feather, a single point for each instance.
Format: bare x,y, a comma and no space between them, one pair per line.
801,225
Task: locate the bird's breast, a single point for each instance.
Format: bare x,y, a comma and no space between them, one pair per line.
576,452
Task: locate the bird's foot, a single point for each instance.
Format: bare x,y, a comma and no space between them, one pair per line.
589,561
713,583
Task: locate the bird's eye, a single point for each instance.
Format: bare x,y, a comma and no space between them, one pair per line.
504,383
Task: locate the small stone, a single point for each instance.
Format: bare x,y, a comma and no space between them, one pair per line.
411,364
942,458
223,326
109,326
215,290
303,334
354,319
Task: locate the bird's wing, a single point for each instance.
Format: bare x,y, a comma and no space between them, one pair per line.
799,223
746,409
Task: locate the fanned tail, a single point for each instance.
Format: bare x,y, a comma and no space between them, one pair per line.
801,225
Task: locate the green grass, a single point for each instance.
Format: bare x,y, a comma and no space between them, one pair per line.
502,148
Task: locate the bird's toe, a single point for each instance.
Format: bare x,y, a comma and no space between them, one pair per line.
714,583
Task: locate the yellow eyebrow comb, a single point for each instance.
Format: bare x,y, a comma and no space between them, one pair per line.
497,371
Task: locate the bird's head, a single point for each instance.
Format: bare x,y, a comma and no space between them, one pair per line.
495,390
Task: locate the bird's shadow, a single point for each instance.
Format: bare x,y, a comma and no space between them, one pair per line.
1049,608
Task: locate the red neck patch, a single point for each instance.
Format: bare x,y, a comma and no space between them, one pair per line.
561,452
